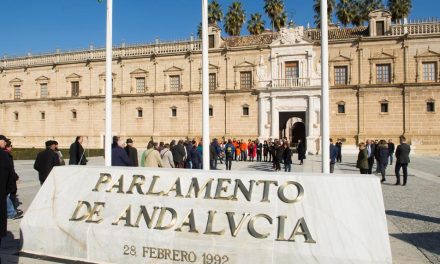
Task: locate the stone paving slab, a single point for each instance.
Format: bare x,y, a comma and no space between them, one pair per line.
413,212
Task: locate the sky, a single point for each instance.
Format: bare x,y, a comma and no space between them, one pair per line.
31,26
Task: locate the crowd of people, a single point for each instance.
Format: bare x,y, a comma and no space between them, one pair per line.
382,152
188,154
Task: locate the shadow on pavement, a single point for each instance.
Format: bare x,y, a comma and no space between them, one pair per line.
414,216
427,241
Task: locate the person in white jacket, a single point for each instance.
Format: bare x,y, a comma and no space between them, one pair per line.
167,157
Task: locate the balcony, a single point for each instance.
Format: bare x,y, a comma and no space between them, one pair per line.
289,83
426,27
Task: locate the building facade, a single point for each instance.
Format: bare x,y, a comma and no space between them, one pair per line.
384,83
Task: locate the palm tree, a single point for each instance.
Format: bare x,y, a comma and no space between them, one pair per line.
255,24
317,9
199,30
344,12
275,11
361,9
399,8
234,19
215,13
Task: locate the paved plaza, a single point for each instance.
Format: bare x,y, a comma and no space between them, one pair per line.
413,212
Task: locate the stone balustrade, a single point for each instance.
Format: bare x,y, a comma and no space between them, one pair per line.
416,28
290,83
122,51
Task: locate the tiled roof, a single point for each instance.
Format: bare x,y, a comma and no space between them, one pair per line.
251,40
339,33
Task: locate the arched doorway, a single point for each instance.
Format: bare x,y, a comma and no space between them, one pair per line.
292,127
298,132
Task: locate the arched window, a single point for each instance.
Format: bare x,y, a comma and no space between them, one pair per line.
341,107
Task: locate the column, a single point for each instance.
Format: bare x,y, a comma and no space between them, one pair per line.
311,116
261,116
273,122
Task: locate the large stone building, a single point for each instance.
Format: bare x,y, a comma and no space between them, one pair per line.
384,82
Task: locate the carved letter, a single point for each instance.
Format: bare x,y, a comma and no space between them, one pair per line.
125,216
235,229
189,221
266,189
151,189
251,226
301,224
119,185
209,225
247,193
96,211
148,220
175,188
195,186
137,184
221,188
159,224
103,178
298,197
78,208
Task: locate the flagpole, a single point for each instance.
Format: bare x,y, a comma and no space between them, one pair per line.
325,119
205,85
108,85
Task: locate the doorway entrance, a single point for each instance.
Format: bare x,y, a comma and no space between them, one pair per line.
293,127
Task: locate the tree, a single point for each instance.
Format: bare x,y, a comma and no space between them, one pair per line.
215,13
361,9
317,9
234,19
255,24
345,12
275,11
199,30
399,8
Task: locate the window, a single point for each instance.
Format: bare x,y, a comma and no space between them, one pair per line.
341,108
212,81
246,80
211,41
140,85
43,115
74,115
292,70
16,116
74,88
17,92
211,111
384,107
174,83
140,113
380,28
383,73
430,107
245,110
43,90
429,71
341,75
173,111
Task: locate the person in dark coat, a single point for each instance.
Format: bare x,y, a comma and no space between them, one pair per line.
213,154
229,154
179,154
391,149
279,153
301,150
6,185
77,153
339,147
46,160
259,150
13,193
370,150
196,158
132,153
376,155
287,157
383,158
362,160
333,155
119,156
402,160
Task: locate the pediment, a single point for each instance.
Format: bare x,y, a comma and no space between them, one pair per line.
73,76
291,36
211,67
173,69
341,57
16,80
139,71
103,74
382,55
42,78
429,53
245,64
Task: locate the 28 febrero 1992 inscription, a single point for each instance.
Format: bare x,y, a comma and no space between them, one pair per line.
174,255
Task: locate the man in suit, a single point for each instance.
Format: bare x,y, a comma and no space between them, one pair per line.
132,152
391,149
402,160
333,156
46,160
370,150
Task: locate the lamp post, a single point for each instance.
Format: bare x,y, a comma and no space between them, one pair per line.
205,85
325,120
108,85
